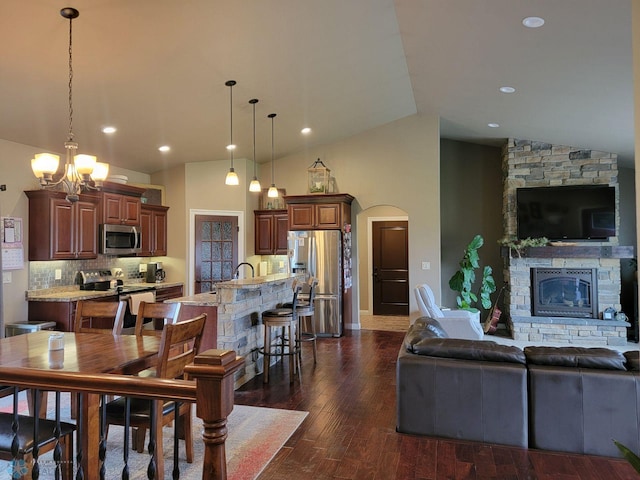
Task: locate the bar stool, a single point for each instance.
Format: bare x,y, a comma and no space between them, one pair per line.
285,319
305,313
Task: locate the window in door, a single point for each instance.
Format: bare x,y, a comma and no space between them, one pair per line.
216,250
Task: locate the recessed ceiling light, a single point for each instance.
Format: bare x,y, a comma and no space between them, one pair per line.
164,148
493,125
109,130
506,89
533,22
305,131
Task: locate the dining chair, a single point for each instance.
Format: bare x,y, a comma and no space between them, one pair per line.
180,343
46,441
152,315
99,317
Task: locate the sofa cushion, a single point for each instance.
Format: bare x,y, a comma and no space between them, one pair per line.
633,360
479,350
423,327
580,357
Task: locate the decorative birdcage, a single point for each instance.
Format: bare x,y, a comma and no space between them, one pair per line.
319,177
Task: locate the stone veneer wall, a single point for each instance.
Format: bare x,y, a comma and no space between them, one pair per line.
239,322
529,163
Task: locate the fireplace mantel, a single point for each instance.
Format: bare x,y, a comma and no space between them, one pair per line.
571,251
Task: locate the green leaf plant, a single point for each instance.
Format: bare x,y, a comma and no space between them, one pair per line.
631,457
464,279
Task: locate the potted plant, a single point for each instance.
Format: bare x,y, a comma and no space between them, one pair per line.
518,245
463,280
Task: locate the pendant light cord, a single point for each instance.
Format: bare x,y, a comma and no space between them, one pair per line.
253,103
272,116
231,119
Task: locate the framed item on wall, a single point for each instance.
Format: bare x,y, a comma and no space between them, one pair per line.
267,203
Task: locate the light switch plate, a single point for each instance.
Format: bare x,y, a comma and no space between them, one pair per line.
58,274
426,265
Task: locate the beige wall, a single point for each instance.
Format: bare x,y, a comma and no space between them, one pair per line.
394,165
174,182
382,212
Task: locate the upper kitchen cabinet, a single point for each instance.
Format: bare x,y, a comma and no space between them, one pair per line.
318,212
153,230
121,204
59,230
271,227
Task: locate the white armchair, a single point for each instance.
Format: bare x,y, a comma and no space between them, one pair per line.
457,323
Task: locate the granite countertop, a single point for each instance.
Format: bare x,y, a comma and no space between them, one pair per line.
208,299
256,282
72,293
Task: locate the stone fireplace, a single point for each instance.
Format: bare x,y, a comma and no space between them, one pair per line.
535,164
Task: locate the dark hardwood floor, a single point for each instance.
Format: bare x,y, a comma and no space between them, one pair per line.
350,430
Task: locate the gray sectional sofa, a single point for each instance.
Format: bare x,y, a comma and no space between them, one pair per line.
568,399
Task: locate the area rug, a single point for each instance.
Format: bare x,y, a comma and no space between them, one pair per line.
255,436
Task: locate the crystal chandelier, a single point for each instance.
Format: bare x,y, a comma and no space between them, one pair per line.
84,172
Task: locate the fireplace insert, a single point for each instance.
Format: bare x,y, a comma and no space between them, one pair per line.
564,292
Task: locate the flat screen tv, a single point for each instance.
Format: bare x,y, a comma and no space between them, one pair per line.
567,212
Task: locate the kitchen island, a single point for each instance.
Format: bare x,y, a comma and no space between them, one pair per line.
58,304
239,305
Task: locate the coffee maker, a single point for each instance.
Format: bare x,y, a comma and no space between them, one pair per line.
155,273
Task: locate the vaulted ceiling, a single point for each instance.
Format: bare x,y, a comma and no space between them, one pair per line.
156,70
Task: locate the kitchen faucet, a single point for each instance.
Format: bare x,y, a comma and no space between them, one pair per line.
237,274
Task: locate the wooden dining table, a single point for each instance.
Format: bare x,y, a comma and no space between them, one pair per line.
87,353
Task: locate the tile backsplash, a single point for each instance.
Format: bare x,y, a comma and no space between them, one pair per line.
43,274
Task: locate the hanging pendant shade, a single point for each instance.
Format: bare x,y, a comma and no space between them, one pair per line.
273,191
254,186
232,176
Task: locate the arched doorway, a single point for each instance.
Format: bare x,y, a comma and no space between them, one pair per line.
391,219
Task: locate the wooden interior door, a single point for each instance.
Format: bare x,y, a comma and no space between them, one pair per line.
216,250
390,251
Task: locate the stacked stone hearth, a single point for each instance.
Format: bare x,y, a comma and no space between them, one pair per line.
535,164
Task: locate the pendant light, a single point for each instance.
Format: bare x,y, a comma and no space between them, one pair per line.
273,191
232,176
254,186
84,172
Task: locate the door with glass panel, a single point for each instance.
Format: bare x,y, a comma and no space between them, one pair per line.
216,250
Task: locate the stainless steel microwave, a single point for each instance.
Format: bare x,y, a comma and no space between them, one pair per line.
119,239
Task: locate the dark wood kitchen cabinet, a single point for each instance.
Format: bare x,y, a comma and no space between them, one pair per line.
165,293
271,227
318,212
153,230
120,209
60,230
121,204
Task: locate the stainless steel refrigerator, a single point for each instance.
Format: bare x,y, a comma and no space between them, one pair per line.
321,253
